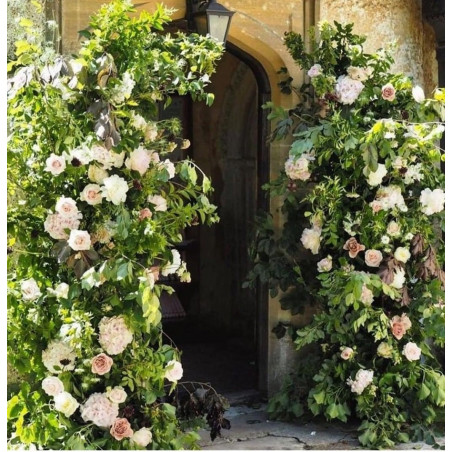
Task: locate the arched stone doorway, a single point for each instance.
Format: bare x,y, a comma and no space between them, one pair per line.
224,335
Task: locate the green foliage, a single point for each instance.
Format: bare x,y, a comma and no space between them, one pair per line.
363,192
84,252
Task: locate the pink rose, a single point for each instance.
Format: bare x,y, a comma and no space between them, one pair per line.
400,325
139,160
373,258
144,213
101,364
55,164
353,247
347,353
388,92
376,206
79,240
121,429
92,194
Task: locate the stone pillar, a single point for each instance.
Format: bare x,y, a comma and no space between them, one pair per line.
385,21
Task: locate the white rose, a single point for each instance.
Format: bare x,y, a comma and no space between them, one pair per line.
315,70
83,154
117,395
170,168
65,403
96,174
385,239
325,265
137,121
311,239
172,267
55,164
115,189
432,201
409,236
61,291
418,94
399,278
173,371
67,207
52,386
142,437
159,203
151,131
297,169
375,178
402,254
79,240
139,160
91,194
411,351
30,289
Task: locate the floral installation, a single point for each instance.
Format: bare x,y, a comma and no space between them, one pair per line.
363,199
98,207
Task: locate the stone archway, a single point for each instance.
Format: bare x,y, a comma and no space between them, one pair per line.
225,334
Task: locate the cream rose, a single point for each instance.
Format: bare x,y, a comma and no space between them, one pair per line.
375,178
79,240
121,429
101,364
30,289
139,160
411,351
384,350
388,92
65,403
117,395
115,189
55,164
91,194
96,174
402,254
373,258
311,239
142,437
173,371
347,353
393,229
52,386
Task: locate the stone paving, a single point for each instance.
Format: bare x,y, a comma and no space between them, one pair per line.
252,430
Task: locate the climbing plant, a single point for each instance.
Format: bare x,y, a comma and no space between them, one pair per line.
97,209
362,243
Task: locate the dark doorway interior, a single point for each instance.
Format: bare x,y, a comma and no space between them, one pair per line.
220,334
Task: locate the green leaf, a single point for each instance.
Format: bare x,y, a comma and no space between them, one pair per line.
424,392
370,155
